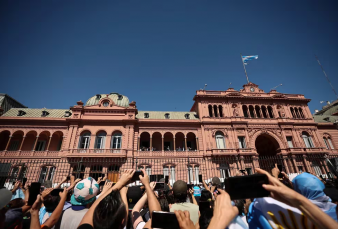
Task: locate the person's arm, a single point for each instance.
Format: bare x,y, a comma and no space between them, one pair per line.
26,207
192,196
73,184
16,186
138,206
184,220
286,179
63,181
123,193
288,196
107,189
205,186
35,224
224,212
53,219
153,203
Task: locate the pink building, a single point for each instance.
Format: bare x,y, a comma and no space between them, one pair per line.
224,132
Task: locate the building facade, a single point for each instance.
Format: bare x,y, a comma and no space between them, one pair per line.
223,133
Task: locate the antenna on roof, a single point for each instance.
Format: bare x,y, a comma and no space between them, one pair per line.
230,84
274,88
205,85
326,77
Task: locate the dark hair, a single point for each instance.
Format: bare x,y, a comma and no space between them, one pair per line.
164,204
181,197
16,203
240,205
110,212
205,195
170,197
205,218
51,202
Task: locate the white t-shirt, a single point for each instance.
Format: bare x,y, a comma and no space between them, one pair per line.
71,219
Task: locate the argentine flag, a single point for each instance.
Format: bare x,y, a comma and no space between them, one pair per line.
247,58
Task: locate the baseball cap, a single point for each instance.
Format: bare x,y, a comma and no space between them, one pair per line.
180,188
85,192
134,193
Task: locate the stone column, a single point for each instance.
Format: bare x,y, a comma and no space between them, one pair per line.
305,163
295,163
241,158
23,139
197,146
138,143
174,144
162,143
9,141
185,142
151,143
254,111
36,141
286,164
49,140
63,138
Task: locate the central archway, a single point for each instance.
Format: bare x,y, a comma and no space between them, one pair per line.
267,147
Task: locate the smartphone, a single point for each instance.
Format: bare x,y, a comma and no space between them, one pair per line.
34,191
280,175
159,186
152,178
189,186
68,177
200,178
166,179
24,180
237,187
55,192
204,205
164,220
242,170
136,175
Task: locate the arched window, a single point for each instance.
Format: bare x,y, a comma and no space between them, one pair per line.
296,113
220,108
224,170
84,140
292,112
307,140
328,143
251,110
100,140
46,174
245,111
215,111
116,141
210,110
258,113
301,113
264,112
220,141
270,112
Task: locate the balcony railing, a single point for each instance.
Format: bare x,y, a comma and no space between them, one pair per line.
97,151
19,153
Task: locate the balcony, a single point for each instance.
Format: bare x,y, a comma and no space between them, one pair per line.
19,153
300,150
96,153
170,153
230,151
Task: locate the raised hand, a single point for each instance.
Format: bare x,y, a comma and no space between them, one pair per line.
184,220
37,204
126,177
63,195
191,192
107,186
145,178
46,192
152,185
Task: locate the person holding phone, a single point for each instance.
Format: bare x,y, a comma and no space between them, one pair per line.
180,190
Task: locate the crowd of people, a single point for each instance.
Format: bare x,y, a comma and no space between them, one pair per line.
302,202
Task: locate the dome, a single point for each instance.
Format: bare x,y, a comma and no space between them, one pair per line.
118,99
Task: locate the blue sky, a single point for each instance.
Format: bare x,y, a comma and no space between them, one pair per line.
54,53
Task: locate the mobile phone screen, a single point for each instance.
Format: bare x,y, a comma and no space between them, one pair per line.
200,178
166,179
164,220
34,191
24,180
55,192
136,175
204,205
245,187
159,185
189,186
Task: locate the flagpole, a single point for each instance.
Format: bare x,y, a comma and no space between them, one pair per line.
247,78
327,78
